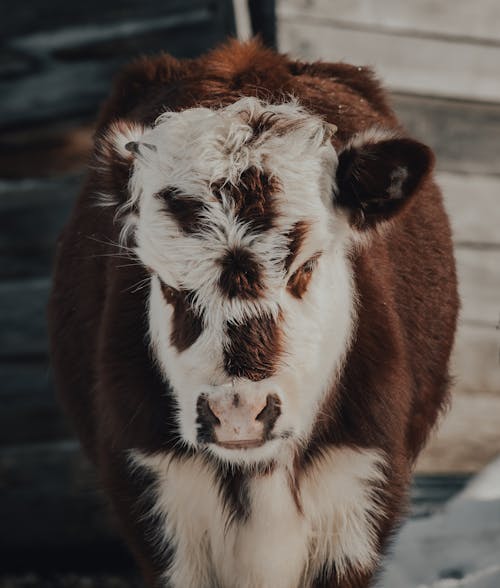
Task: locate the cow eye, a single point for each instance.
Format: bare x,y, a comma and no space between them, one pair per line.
308,266
170,294
299,280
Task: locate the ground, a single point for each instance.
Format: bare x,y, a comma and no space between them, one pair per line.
457,547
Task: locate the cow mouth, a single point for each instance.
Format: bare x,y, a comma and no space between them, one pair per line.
241,444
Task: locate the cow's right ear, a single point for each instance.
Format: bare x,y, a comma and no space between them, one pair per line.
116,149
377,175
139,148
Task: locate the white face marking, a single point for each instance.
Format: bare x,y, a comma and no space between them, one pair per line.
192,150
277,547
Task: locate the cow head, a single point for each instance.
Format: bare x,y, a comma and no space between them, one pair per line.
245,216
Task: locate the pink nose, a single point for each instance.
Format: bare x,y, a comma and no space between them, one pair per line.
240,420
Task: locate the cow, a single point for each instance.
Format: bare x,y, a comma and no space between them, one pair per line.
253,307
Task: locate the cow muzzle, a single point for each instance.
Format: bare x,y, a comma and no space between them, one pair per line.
235,420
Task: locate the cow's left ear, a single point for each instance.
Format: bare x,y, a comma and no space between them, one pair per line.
377,175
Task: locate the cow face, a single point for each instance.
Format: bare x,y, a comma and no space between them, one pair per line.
244,216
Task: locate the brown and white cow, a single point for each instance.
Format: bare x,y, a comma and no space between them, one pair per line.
253,308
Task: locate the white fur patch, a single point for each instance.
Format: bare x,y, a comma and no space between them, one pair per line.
277,547
372,135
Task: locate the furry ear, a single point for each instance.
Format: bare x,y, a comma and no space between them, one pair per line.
377,175
116,147
137,147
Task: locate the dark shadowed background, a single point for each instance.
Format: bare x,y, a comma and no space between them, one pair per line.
440,61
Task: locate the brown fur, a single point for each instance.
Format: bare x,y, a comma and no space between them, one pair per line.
184,209
395,380
252,198
187,324
241,275
254,348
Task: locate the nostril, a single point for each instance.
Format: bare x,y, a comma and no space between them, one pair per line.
269,414
205,413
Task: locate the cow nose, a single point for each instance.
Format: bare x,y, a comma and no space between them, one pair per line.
237,421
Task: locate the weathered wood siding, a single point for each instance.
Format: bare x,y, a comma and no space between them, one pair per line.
425,47
440,59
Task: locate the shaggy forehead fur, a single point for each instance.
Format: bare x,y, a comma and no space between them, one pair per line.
225,197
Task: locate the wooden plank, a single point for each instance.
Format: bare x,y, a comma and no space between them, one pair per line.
73,578
23,331
407,64
476,359
61,42
32,214
77,86
472,203
53,15
243,20
463,134
468,437
263,16
67,89
476,21
56,148
479,285
59,69
30,413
